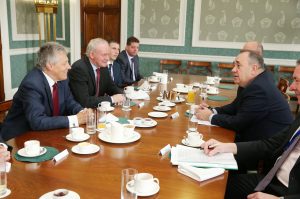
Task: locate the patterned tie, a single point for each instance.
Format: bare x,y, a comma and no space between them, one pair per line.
55,100
267,179
98,81
132,68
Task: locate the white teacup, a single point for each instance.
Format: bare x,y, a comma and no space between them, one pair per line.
137,121
180,86
77,132
147,121
129,89
32,147
60,194
116,131
144,182
194,138
128,130
212,89
84,147
210,80
105,104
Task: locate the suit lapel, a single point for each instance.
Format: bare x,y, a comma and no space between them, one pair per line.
90,71
48,91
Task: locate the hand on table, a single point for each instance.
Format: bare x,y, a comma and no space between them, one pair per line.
4,152
212,147
81,116
118,99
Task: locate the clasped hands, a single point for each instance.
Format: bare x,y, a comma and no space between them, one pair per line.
203,112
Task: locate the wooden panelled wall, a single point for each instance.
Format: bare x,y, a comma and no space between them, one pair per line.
100,18
2,94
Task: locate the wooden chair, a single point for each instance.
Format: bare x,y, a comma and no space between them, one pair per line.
225,72
4,107
286,72
172,66
198,67
283,85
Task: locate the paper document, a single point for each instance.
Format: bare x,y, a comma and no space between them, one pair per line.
196,157
199,174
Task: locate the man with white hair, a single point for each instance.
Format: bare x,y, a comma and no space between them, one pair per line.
90,80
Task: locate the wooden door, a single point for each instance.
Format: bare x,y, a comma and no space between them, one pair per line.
100,18
2,94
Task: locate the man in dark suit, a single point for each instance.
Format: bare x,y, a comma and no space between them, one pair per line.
90,81
114,67
44,100
284,177
129,61
259,109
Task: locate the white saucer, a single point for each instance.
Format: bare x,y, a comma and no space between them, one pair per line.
161,108
153,190
209,83
143,125
23,153
83,138
167,103
212,93
157,114
94,149
154,81
49,195
174,101
183,141
8,191
110,109
106,138
183,90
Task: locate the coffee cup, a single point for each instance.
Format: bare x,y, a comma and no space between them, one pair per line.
137,121
105,105
32,147
210,80
116,131
60,194
147,121
77,132
129,89
144,182
212,89
194,138
84,147
128,130
180,86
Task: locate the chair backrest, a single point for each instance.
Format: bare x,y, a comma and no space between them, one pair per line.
286,72
4,107
201,67
225,69
171,65
283,84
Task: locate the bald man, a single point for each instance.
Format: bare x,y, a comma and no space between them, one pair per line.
253,46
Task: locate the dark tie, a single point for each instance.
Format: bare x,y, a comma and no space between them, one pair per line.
55,99
97,81
267,179
110,71
132,68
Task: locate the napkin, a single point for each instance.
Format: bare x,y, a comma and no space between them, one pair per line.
111,118
51,152
138,95
199,174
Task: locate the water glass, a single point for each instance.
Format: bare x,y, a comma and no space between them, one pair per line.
127,180
191,96
3,178
126,105
193,122
90,121
101,117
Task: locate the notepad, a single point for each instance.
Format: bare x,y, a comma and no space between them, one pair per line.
196,157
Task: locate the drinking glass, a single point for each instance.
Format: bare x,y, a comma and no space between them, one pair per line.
191,96
127,180
165,71
126,105
90,122
193,122
101,117
3,180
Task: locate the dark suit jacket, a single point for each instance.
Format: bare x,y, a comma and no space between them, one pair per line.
83,84
32,106
117,74
273,147
259,111
126,71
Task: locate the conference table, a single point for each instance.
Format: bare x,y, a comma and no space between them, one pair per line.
99,175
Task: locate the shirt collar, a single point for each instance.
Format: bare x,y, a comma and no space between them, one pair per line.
50,81
129,57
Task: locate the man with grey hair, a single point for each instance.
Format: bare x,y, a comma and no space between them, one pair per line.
253,46
259,110
90,80
44,100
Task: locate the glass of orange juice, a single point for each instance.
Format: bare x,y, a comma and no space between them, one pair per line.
191,96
